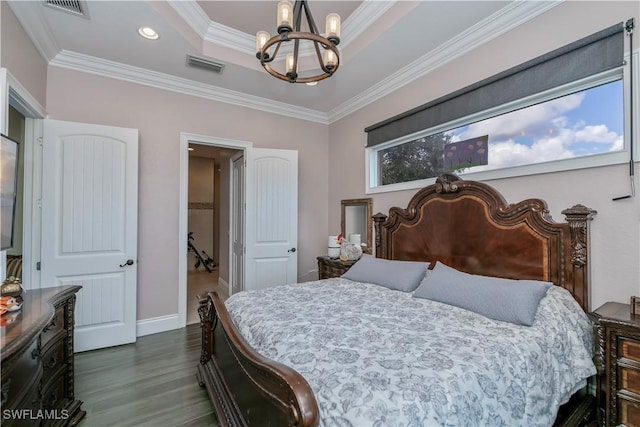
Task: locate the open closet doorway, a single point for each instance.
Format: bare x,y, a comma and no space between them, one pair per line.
269,191
208,222
20,119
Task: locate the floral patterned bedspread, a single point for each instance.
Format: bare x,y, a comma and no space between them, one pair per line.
378,357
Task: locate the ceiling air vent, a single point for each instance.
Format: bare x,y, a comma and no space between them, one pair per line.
75,7
207,64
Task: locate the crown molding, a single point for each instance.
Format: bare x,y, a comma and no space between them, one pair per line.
115,70
38,29
231,38
504,20
192,14
361,18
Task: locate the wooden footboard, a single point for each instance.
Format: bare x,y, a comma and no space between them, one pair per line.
246,388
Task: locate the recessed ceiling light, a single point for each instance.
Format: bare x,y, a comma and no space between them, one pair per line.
148,33
311,83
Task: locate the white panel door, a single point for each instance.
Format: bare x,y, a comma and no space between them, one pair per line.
271,233
89,226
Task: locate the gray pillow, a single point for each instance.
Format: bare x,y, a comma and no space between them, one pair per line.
514,301
403,276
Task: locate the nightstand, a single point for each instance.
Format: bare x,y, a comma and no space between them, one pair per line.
618,363
328,267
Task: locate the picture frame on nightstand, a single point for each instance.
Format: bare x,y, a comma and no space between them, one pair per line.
635,305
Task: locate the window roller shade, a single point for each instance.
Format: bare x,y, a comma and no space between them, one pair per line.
586,57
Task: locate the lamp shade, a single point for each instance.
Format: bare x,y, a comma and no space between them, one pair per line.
329,59
261,39
285,14
289,63
332,27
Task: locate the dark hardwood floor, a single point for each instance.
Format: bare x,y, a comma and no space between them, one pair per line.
150,383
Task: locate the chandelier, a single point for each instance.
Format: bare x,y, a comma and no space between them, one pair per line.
289,29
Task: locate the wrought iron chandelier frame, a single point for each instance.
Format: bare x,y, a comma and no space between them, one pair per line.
287,34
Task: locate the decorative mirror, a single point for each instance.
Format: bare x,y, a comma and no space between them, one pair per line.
357,223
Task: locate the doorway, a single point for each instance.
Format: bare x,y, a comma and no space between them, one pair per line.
21,113
16,131
215,243
208,201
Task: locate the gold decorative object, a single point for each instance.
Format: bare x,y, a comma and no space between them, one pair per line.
11,287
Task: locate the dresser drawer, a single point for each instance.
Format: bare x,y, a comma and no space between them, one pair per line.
55,326
55,357
25,412
20,376
629,412
54,394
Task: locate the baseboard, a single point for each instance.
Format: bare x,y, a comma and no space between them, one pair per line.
224,285
157,324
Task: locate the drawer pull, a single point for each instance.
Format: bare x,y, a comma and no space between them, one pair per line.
53,360
51,325
53,399
5,391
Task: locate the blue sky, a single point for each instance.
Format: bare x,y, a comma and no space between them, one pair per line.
584,123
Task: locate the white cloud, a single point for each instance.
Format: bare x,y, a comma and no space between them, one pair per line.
546,127
533,121
597,133
510,153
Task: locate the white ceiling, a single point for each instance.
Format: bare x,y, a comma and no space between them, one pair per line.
384,44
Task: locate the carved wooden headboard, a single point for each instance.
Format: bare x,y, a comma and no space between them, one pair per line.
469,226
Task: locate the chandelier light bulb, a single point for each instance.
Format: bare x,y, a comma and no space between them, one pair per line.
261,39
329,59
285,16
332,26
289,63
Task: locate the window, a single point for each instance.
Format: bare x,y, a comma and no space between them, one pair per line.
582,123
562,110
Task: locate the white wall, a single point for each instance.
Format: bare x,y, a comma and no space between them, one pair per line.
616,228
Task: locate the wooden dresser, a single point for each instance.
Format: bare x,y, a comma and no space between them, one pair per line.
329,267
618,363
37,360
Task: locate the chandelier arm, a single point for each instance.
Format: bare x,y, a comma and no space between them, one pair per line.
275,73
310,21
318,55
270,58
293,74
297,13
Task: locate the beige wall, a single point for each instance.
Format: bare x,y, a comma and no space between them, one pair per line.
616,228
20,57
201,207
160,116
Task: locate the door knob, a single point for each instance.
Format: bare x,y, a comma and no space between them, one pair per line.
129,262
292,250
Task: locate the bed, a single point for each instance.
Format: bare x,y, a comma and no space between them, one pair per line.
346,352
